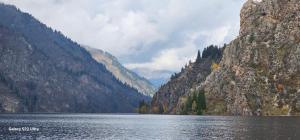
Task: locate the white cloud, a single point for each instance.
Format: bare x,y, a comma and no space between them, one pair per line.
155,35
113,28
171,58
175,58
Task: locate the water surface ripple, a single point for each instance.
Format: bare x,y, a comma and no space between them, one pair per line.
144,127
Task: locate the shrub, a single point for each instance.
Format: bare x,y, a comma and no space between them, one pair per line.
214,66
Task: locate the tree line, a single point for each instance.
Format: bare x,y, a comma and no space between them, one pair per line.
195,104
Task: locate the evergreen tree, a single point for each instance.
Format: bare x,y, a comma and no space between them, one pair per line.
212,52
199,111
194,97
189,103
198,59
143,107
201,100
194,104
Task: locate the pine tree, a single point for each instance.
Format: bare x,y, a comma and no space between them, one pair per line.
194,97
198,59
143,107
201,100
189,103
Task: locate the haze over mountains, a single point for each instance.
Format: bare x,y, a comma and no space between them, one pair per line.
120,72
153,38
41,70
156,77
258,73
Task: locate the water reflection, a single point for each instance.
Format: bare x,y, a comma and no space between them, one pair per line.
87,126
267,128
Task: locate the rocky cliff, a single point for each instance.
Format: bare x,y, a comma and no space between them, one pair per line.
43,71
170,96
260,70
120,72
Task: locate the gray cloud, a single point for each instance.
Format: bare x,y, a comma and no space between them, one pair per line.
158,35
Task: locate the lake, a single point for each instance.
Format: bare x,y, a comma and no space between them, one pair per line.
132,126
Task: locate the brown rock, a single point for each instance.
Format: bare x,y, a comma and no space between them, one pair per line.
267,48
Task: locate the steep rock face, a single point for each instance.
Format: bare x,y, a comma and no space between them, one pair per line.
120,72
168,99
43,71
260,70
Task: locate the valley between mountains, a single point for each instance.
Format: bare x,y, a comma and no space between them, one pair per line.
256,74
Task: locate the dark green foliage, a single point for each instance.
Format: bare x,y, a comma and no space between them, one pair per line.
143,107
198,59
251,38
212,52
193,73
62,64
31,102
199,99
189,103
175,75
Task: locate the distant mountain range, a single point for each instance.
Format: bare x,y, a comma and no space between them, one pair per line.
156,77
41,70
120,72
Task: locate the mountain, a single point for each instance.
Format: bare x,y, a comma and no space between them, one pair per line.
156,77
169,97
43,71
120,72
260,71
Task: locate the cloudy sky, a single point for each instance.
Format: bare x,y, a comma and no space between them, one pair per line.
151,37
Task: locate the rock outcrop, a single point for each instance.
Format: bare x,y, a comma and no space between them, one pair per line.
120,72
259,73
168,99
43,71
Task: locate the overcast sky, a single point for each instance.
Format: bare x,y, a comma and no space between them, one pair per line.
149,36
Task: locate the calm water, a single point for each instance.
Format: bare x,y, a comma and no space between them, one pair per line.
86,126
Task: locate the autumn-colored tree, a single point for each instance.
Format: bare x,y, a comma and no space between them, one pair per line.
214,66
143,107
156,110
194,106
